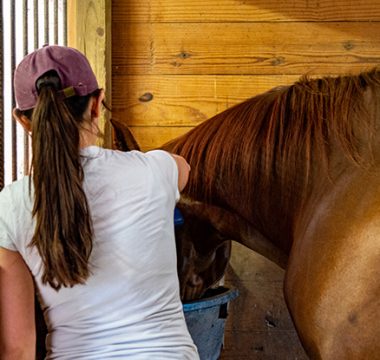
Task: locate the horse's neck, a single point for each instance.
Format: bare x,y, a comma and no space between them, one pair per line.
232,226
374,109
280,214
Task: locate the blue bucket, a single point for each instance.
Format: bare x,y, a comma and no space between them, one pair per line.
205,319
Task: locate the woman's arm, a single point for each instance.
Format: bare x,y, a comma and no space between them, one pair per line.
17,319
183,171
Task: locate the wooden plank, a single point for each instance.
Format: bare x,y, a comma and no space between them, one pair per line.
89,31
249,48
259,325
245,11
184,100
152,137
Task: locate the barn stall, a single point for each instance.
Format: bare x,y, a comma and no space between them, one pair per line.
176,64
167,66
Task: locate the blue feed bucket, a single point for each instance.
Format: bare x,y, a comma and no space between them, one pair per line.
205,319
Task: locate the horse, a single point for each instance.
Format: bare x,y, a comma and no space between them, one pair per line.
293,174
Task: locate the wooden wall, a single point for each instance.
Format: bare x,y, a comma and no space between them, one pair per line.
177,63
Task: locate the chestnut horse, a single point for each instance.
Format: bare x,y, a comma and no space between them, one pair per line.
294,174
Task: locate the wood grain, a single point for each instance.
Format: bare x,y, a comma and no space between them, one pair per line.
245,11
244,48
152,137
185,100
89,30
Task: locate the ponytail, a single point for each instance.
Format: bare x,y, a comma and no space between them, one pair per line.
63,232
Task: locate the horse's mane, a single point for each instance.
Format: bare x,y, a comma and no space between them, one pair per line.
278,135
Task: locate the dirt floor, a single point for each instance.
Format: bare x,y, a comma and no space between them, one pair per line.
258,325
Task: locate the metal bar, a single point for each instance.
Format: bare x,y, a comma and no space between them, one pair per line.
64,15
13,64
25,25
46,17
35,11
2,162
56,22
25,51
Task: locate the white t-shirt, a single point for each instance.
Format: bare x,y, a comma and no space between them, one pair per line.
130,306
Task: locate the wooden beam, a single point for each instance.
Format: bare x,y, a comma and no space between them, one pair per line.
244,48
89,30
184,100
224,11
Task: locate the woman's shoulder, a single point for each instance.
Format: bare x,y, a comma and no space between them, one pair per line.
95,152
15,191
161,157
153,158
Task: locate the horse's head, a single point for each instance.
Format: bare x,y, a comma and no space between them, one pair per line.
204,245
202,252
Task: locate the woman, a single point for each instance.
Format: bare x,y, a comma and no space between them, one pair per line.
92,232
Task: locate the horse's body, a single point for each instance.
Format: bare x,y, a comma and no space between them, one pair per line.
294,174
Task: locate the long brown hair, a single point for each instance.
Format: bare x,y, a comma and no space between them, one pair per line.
63,232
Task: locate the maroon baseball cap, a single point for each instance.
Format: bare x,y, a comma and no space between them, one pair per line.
72,67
